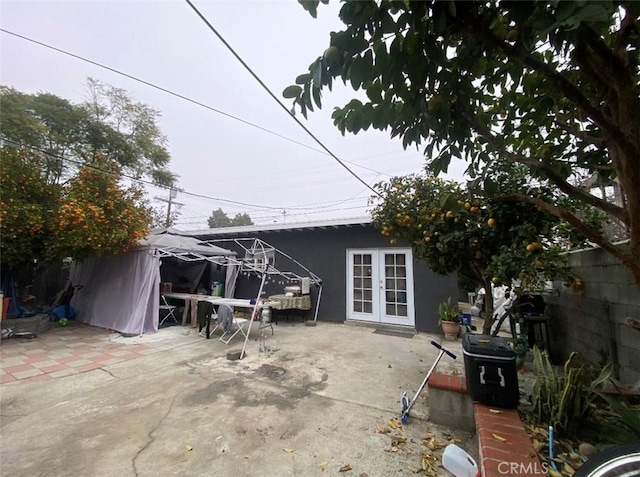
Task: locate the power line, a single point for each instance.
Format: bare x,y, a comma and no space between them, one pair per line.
178,95
155,86
136,179
267,219
266,88
264,208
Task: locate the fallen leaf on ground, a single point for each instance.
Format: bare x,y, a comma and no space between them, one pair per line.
393,424
499,438
188,447
382,430
286,449
324,465
428,462
345,468
432,444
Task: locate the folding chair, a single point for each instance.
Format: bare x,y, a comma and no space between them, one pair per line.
167,309
228,321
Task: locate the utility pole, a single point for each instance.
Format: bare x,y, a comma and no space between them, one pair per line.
173,193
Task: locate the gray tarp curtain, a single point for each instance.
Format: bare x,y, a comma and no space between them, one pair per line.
233,271
120,292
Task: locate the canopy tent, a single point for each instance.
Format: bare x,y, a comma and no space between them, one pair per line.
258,257
121,292
168,243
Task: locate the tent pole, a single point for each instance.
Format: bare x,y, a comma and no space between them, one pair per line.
315,317
253,313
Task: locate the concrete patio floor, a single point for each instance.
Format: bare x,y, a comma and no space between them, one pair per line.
303,402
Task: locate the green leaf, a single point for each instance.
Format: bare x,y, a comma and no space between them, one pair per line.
440,163
316,72
382,59
387,25
491,186
357,72
340,39
311,6
357,46
292,91
303,78
306,97
317,95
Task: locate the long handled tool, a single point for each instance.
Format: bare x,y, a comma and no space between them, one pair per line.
404,398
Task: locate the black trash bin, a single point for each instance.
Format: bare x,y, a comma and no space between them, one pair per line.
490,368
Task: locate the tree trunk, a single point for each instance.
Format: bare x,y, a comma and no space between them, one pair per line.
488,306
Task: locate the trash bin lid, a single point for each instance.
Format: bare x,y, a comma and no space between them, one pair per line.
486,346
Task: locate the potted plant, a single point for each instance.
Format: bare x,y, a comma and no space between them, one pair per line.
449,319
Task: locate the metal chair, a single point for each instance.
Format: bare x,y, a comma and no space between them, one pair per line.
167,310
228,321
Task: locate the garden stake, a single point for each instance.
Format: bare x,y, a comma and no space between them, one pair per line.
553,463
404,399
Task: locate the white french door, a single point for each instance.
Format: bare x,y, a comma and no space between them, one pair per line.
380,285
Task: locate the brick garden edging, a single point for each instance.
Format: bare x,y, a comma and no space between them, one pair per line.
515,456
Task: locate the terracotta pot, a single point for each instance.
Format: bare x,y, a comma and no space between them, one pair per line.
451,329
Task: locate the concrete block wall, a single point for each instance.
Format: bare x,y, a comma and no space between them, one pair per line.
592,322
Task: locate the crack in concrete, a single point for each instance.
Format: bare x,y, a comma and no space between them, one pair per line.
110,373
151,437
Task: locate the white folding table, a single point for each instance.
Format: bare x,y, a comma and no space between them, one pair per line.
217,300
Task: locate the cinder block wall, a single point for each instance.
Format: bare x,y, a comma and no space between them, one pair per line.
592,322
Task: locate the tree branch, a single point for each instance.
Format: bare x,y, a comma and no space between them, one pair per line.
573,220
572,191
580,134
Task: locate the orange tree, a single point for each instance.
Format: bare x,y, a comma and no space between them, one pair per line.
97,216
552,86
89,215
27,207
486,240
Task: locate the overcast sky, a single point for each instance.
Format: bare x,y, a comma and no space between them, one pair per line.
165,43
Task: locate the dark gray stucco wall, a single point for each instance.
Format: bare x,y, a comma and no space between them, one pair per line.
324,252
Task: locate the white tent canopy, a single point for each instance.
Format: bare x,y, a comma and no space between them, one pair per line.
166,243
